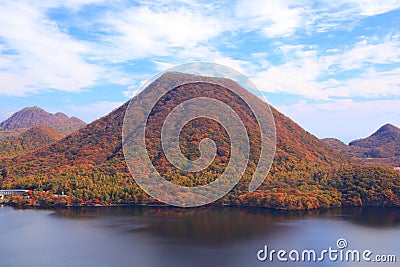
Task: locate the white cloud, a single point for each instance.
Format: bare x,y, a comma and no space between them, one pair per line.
364,52
141,32
38,55
371,84
309,73
321,16
372,7
345,119
273,18
302,80
93,111
277,18
293,78
70,4
131,91
41,56
207,54
140,84
5,114
348,106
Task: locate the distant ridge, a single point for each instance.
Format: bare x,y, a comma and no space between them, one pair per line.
386,135
380,148
34,116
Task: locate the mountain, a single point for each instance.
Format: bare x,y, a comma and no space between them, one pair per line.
381,148
384,143
34,116
336,144
30,140
351,152
89,164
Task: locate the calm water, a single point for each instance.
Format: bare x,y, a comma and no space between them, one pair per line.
192,237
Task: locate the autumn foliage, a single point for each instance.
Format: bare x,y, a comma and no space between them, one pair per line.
89,164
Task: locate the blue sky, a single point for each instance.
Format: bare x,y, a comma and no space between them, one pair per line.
332,66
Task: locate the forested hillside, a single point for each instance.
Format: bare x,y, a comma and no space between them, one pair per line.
382,148
307,173
30,140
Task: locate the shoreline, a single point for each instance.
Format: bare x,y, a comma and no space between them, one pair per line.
165,206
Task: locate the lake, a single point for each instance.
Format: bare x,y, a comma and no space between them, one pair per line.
144,236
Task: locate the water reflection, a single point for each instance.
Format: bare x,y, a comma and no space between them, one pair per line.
144,236
373,217
216,226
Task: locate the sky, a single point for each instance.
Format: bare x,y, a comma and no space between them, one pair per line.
331,66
